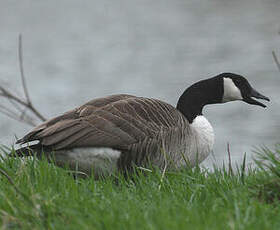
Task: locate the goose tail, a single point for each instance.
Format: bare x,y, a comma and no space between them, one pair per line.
31,150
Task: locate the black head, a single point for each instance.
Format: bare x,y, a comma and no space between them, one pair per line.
237,87
220,89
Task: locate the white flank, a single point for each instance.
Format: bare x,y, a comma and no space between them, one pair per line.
231,92
102,161
202,139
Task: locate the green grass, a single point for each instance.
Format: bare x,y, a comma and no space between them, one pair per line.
47,197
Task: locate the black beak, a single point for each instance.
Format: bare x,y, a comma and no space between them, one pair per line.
257,95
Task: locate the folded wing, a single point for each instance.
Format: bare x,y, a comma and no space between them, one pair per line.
116,121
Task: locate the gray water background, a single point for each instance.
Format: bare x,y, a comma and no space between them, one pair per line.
78,50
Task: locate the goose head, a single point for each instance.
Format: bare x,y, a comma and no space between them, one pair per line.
237,87
222,88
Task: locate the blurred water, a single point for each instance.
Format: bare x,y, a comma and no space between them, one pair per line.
78,50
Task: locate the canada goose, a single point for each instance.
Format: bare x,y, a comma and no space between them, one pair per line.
119,131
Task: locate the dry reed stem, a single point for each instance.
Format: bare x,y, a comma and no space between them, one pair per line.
5,174
20,105
276,60
229,160
164,169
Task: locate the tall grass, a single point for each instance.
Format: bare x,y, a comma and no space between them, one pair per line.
38,195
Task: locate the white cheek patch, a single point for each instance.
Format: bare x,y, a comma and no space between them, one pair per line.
231,92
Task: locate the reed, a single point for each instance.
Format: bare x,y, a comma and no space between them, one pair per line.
38,195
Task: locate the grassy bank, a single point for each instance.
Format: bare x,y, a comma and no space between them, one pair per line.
46,197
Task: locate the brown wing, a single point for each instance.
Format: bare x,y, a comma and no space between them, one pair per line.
115,121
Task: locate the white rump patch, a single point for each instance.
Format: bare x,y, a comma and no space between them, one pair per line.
102,161
231,92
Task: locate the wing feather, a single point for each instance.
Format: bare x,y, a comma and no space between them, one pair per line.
118,121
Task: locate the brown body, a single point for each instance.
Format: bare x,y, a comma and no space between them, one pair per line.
138,127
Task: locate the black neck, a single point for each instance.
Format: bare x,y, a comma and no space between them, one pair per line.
192,101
